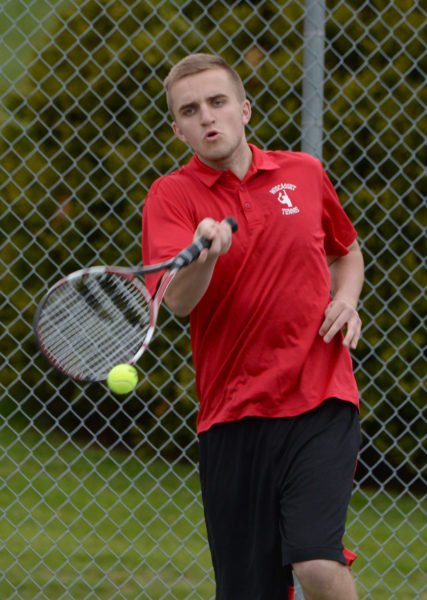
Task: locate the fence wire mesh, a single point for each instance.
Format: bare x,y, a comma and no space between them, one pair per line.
99,494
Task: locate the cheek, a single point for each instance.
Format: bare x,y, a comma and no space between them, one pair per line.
237,123
180,134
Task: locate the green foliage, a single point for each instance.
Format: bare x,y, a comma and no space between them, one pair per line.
375,122
90,136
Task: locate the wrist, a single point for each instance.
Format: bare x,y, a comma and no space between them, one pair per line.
349,300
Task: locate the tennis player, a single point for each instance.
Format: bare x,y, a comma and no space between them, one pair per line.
273,318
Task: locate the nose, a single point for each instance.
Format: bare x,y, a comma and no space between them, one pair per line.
206,115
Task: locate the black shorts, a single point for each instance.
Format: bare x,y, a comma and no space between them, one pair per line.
276,492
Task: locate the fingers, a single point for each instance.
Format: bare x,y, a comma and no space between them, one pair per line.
341,315
219,232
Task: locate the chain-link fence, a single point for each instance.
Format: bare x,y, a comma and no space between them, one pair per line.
99,494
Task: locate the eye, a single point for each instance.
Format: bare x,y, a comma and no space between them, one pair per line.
187,111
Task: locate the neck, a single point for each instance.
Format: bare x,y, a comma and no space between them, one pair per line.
242,165
238,162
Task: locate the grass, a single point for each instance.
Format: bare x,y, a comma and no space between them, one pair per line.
82,523
389,529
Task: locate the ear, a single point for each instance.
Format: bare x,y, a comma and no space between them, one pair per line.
246,112
178,132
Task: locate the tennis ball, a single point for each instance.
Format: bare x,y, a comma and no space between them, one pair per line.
122,379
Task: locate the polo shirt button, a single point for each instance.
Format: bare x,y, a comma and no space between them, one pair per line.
247,205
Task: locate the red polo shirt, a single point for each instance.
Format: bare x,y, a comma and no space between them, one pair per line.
255,341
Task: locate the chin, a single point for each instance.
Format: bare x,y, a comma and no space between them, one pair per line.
215,153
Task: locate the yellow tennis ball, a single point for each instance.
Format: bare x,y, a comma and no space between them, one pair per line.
122,379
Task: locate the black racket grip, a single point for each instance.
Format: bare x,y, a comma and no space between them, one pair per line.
192,252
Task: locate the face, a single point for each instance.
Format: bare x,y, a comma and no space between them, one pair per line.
211,118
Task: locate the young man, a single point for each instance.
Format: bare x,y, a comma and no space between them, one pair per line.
278,422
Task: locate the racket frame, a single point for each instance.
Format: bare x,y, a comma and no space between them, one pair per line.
171,266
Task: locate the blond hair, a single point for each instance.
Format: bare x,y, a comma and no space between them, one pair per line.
196,63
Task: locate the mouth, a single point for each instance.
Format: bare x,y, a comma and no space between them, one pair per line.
212,135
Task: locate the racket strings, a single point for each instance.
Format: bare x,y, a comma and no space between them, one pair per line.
90,324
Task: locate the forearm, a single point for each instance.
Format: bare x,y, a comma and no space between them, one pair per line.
347,275
189,286
346,285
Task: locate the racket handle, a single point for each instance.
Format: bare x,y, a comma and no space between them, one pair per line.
233,224
192,252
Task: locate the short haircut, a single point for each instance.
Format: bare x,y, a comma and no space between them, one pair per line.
197,63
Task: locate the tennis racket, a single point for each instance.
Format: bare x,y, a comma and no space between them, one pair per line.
99,317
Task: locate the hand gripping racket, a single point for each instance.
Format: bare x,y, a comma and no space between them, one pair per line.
99,317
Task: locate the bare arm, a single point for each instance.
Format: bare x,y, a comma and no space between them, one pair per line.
346,285
192,281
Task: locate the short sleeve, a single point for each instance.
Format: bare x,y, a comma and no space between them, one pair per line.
167,228
339,230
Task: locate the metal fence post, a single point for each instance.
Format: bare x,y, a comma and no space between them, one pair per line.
312,109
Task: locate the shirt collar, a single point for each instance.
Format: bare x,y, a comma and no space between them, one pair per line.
261,161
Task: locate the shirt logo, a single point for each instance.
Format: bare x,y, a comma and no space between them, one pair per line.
282,196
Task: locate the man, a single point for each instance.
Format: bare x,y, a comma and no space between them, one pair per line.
278,421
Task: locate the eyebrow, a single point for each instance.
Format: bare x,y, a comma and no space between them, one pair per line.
214,97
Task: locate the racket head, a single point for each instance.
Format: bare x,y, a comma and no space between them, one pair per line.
94,319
